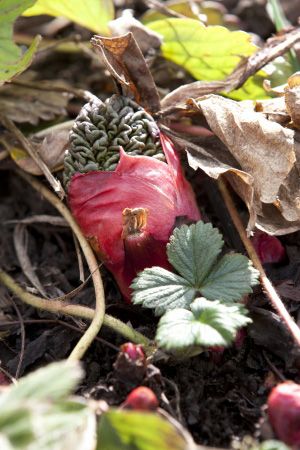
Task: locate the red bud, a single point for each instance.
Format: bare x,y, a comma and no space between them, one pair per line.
141,399
105,204
133,351
268,248
284,412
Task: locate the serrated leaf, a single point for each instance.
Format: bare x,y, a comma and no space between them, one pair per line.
163,290
12,60
131,430
193,250
207,324
230,279
91,14
54,381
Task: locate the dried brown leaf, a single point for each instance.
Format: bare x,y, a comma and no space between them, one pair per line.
30,104
50,145
259,157
146,38
127,65
20,243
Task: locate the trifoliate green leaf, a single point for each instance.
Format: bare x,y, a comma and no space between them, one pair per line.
207,324
132,430
230,279
163,290
92,14
193,250
12,60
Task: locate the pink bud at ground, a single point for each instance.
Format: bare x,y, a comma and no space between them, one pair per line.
134,352
141,399
268,248
284,412
159,190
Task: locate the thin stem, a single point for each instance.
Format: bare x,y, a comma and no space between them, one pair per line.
97,318
84,312
266,283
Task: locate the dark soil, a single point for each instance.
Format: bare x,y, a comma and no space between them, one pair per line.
218,396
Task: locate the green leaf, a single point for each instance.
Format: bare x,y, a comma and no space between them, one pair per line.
193,250
131,430
12,60
271,444
208,53
163,290
230,279
207,324
54,381
37,415
91,14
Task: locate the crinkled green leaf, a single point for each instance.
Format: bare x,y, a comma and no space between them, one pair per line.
207,324
12,60
131,430
193,250
230,279
163,290
91,14
208,53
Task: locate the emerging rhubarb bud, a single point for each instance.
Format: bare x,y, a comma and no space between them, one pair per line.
134,352
125,187
284,412
141,399
269,248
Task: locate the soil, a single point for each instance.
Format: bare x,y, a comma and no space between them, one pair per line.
219,396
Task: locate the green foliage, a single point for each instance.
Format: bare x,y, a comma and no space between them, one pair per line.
208,53
207,324
194,251
37,414
160,289
130,430
91,14
271,444
12,60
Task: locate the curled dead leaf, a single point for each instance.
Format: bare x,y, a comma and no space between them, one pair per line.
127,65
292,98
50,144
259,157
30,100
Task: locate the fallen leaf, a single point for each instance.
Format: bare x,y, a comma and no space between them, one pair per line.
127,65
23,103
260,159
146,38
51,146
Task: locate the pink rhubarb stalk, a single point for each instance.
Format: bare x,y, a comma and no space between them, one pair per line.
129,214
